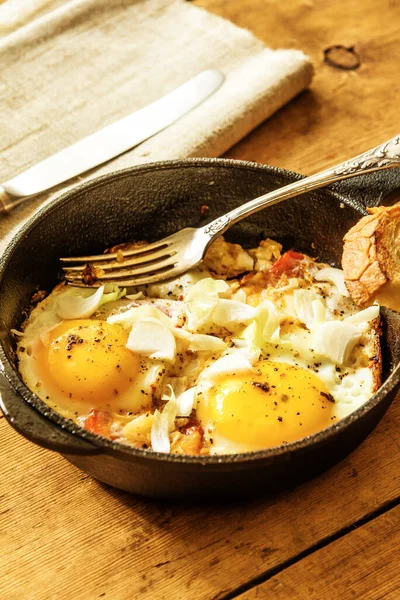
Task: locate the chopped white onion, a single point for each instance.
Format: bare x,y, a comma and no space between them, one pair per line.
160,432
364,316
170,409
175,310
336,340
251,344
78,307
158,314
208,286
228,364
180,286
206,343
137,313
285,305
230,313
200,311
321,314
152,338
147,311
202,300
185,402
163,423
268,320
276,336
112,293
250,353
126,318
263,328
135,296
240,296
335,276
239,343
303,306
169,394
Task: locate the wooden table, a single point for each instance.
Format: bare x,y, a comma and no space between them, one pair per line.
65,536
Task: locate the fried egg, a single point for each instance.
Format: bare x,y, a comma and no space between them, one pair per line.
265,407
75,365
208,363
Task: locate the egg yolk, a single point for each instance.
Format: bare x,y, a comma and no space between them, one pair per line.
87,361
278,403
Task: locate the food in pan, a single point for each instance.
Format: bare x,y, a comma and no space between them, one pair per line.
253,349
371,258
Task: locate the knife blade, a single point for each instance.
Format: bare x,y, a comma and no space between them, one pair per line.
111,141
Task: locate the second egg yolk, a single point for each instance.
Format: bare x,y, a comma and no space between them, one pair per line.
278,403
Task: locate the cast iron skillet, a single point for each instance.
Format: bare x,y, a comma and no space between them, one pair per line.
151,202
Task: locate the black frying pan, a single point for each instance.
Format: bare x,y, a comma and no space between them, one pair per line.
151,202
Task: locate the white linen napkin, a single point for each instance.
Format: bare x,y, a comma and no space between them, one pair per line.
67,72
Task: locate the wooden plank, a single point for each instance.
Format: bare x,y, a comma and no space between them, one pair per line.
64,535
363,564
345,112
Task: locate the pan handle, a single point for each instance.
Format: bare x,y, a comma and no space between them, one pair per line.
36,428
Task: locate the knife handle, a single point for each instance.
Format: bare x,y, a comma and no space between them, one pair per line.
8,202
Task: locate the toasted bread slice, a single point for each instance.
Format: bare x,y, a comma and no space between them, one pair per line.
371,258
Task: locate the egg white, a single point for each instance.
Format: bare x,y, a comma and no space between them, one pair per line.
297,309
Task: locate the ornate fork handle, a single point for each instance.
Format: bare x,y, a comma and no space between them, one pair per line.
384,156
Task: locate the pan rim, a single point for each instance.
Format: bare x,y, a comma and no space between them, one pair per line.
129,452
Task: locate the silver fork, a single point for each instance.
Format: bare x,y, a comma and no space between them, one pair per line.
185,249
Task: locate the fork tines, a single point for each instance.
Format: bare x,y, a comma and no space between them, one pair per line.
128,267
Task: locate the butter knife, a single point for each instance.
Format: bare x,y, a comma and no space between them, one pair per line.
109,142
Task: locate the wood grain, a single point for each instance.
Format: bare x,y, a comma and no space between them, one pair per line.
364,564
63,535
344,112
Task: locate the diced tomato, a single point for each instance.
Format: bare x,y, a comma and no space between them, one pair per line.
98,421
287,263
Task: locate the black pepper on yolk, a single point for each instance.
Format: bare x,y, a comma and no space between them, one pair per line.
277,403
87,361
